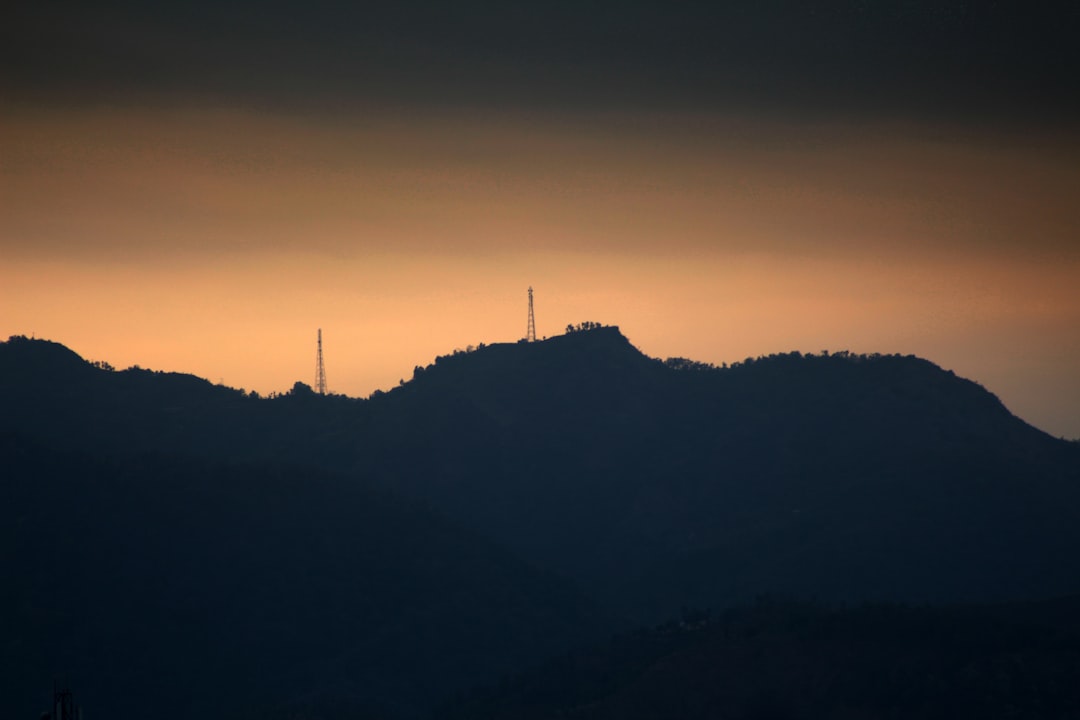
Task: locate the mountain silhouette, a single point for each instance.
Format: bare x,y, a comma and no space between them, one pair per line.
659,484
585,465
652,484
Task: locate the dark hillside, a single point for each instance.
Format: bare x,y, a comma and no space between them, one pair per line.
652,484
840,476
51,393
789,661
212,590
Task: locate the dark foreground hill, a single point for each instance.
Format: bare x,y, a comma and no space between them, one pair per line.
788,661
842,477
177,588
653,485
657,485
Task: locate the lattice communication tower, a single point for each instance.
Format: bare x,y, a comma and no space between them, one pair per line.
530,332
320,369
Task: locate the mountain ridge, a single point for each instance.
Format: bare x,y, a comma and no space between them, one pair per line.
840,474
641,486
600,346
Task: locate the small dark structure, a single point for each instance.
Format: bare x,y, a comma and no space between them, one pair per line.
63,707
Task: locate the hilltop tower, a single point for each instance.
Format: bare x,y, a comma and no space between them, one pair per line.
320,369
64,707
530,332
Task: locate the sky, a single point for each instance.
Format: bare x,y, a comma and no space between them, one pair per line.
199,188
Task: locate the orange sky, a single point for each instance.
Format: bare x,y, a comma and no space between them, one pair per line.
216,241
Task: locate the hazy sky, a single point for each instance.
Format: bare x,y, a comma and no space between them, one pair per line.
200,188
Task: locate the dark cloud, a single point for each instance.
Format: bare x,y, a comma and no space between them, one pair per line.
918,56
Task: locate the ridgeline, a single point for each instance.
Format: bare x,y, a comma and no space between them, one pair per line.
535,494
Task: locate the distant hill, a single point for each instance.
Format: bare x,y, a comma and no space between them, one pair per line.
661,484
651,484
209,589
785,660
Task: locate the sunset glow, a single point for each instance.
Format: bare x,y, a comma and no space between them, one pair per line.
216,241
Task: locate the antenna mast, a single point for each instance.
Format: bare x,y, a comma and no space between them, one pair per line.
320,369
530,332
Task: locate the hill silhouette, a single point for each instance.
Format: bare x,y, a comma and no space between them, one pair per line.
656,485
533,468
652,484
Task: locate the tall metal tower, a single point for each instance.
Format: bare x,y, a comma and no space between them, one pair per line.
530,333
320,369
